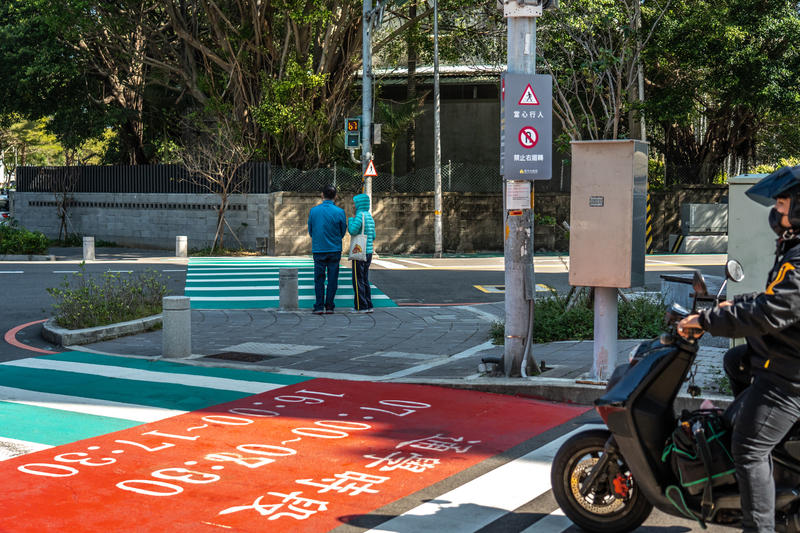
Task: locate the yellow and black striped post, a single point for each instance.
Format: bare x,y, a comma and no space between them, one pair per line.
649,230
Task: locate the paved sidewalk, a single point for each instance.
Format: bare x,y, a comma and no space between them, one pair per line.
432,345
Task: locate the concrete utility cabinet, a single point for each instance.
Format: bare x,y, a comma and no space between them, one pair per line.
704,219
607,216
750,239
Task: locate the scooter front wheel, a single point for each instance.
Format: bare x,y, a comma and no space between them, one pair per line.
601,510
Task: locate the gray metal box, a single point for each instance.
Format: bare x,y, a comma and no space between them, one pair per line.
608,210
698,244
698,219
751,241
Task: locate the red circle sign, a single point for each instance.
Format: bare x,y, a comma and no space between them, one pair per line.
528,137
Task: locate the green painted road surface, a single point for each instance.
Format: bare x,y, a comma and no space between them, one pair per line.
58,399
245,283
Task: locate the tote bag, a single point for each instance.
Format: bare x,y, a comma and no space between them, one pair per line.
358,243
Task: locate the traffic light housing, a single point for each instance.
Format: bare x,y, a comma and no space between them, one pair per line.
352,132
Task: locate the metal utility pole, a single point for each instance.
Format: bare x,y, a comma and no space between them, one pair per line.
518,249
366,96
437,132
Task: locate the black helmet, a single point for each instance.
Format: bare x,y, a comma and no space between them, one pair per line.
784,182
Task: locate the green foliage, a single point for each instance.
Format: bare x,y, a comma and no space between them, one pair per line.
16,240
86,302
396,120
767,169
291,112
544,220
221,251
72,240
721,73
639,318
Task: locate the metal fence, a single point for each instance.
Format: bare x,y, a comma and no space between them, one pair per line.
263,178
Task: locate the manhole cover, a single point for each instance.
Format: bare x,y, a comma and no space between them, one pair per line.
240,356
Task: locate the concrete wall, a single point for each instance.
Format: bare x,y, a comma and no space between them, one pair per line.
147,220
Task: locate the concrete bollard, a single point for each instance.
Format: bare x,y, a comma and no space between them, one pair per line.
287,290
177,327
181,246
88,248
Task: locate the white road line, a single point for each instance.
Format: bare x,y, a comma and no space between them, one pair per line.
11,272
387,264
555,522
271,298
120,271
89,406
251,387
419,368
12,447
256,288
488,316
184,270
483,500
65,271
415,263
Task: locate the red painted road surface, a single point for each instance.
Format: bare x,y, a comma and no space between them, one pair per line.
296,459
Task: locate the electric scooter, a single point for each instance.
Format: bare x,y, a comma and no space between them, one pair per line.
609,480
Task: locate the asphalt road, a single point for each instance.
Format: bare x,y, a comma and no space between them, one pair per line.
407,280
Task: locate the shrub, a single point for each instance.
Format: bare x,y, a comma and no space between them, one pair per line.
221,252
639,318
76,239
16,240
85,302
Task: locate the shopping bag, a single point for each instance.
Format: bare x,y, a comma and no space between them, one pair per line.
358,243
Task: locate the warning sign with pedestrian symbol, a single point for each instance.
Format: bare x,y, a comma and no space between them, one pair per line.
527,113
528,137
371,170
529,97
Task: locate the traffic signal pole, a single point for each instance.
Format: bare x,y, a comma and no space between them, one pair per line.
366,96
518,236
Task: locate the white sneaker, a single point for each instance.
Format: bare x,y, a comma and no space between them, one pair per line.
359,311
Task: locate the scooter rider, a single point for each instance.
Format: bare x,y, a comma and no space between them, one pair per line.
768,366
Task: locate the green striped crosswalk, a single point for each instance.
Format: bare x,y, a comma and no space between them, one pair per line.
247,283
61,398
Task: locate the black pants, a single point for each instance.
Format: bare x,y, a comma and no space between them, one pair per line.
766,415
362,299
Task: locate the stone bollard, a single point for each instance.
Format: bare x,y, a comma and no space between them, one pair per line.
287,290
88,248
181,246
177,327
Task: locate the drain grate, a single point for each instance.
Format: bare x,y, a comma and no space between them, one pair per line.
240,356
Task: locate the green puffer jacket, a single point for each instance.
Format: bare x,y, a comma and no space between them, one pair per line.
354,223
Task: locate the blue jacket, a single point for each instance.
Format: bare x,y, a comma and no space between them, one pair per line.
354,223
327,225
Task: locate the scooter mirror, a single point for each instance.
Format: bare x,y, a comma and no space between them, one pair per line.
699,284
734,270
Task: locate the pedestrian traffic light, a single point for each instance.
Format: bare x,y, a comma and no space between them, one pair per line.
352,132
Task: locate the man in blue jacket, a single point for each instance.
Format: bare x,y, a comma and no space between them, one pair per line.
327,225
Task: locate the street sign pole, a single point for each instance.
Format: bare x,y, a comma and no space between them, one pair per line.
437,182
518,247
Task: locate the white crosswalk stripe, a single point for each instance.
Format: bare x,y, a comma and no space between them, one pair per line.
488,497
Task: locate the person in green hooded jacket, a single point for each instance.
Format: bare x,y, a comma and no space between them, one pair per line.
362,300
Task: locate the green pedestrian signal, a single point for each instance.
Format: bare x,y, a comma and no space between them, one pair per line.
352,132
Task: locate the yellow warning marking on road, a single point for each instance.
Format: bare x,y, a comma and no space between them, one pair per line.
501,289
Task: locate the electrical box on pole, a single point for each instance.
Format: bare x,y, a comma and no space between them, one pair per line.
352,132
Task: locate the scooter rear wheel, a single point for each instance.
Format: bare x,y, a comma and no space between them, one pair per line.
599,511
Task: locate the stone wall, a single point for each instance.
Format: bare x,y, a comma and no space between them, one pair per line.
403,222
146,220
471,222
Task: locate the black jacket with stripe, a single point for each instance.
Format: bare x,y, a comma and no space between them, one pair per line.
769,320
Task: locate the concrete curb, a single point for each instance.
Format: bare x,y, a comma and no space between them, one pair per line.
66,337
27,257
553,389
